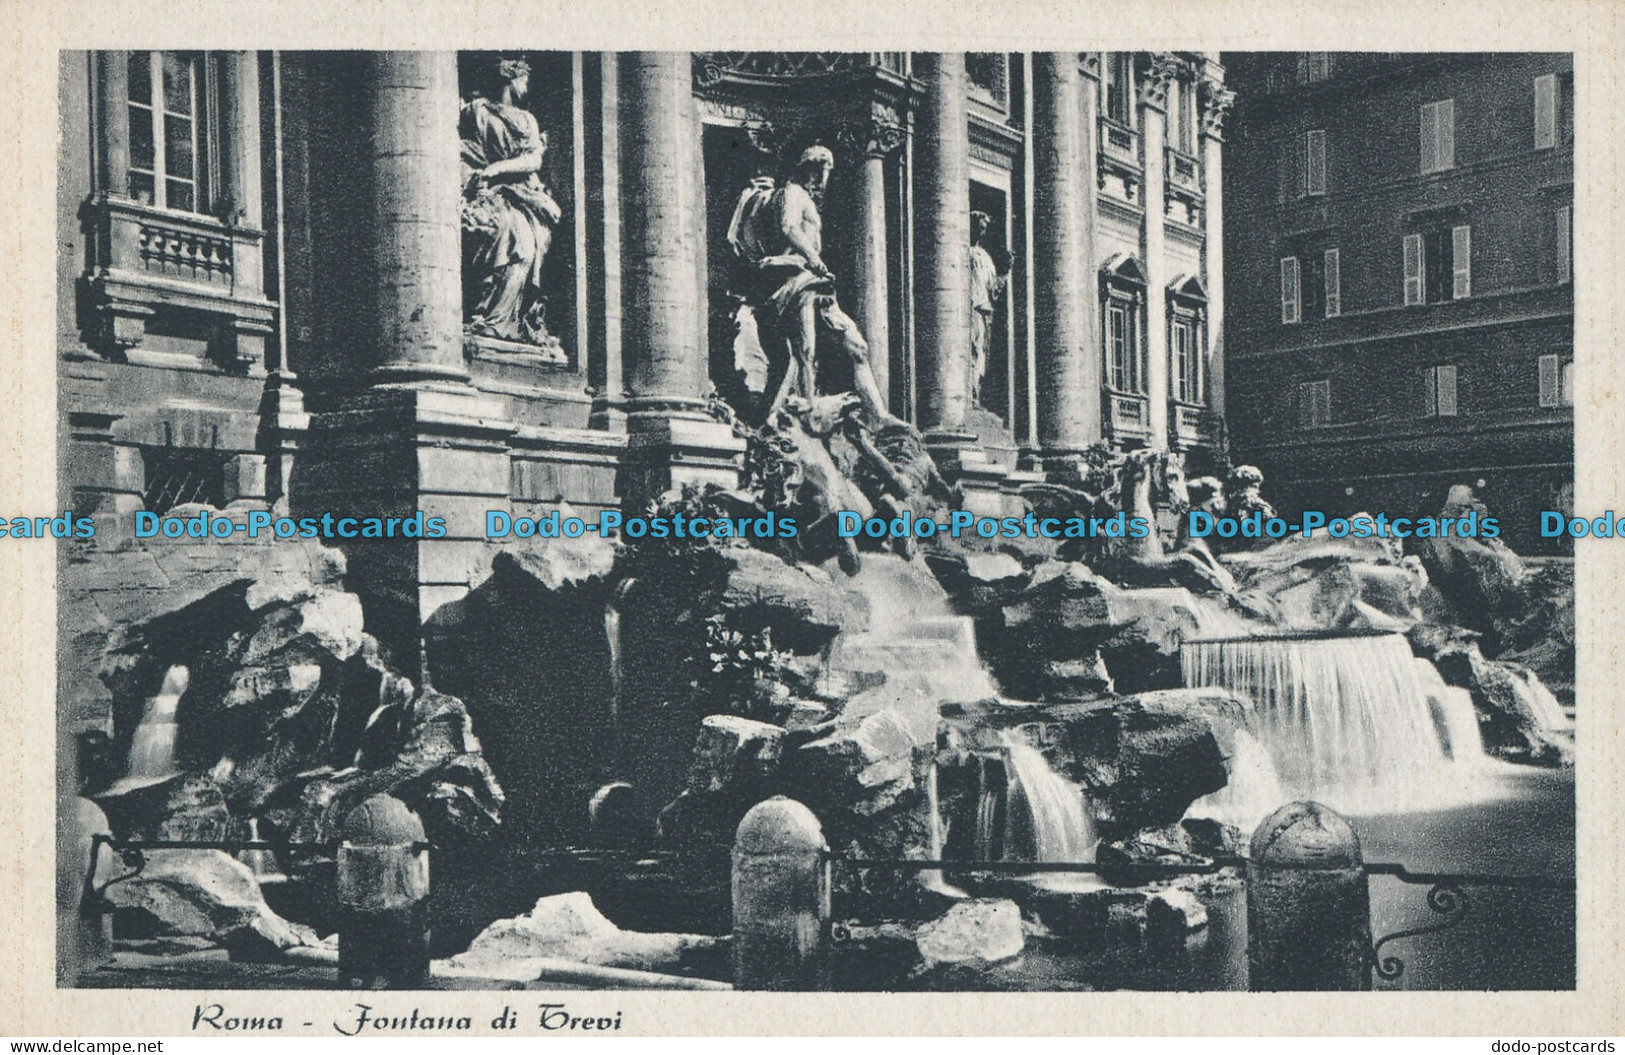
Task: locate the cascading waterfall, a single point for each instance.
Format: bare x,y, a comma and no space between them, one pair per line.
1355,721
1025,811
1454,714
1061,827
152,747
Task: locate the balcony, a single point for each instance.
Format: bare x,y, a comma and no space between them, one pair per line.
1192,425
1184,171
1128,416
1119,143
177,272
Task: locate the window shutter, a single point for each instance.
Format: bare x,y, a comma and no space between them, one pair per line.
1413,269
1461,258
1447,391
1550,380
1545,111
1291,295
1430,392
1447,134
1323,402
1430,138
1334,285
1565,243
1315,162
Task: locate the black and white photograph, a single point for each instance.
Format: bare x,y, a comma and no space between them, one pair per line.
969,522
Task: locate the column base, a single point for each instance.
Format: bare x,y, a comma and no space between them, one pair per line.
965,464
393,451
667,450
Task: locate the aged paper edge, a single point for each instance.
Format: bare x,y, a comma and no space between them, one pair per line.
32,33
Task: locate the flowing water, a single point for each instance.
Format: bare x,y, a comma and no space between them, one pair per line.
915,646
1356,722
152,747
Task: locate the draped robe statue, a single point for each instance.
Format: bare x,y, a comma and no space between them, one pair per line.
508,215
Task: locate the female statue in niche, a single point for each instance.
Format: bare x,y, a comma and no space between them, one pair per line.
508,215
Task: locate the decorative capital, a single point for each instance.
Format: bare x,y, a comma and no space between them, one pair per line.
1157,75
878,135
1216,103
1090,62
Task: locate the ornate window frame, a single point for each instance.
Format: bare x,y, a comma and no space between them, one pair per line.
150,267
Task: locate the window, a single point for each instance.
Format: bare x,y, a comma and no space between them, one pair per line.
1314,403
1187,355
1332,283
1182,119
1556,381
1123,372
1565,244
1439,265
1291,290
1314,66
1546,111
1439,136
1314,162
168,144
1439,391
1120,87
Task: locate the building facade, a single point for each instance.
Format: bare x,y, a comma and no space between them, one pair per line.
389,282
1401,313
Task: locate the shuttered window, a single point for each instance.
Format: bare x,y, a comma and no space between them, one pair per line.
1291,291
1461,260
1550,380
1565,244
1314,162
1446,386
1333,284
1413,269
1314,403
1439,136
1546,111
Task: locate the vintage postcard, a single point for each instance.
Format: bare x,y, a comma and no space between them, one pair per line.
537,519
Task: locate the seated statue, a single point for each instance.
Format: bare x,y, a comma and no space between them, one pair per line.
777,236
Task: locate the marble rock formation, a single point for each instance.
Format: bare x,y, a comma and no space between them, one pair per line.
569,927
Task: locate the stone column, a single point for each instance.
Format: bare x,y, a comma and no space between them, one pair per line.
421,438
240,153
1066,335
1155,83
416,264
241,205
942,275
663,298
871,297
113,122
1216,103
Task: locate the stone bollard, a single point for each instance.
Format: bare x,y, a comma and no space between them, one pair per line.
780,898
1308,903
383,888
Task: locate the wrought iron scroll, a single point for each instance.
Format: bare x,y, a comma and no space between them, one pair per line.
1446,900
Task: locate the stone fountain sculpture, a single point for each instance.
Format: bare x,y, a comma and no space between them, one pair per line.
508,215
777,235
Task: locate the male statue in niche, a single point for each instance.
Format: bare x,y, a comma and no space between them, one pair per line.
777,234
508,214
987,282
